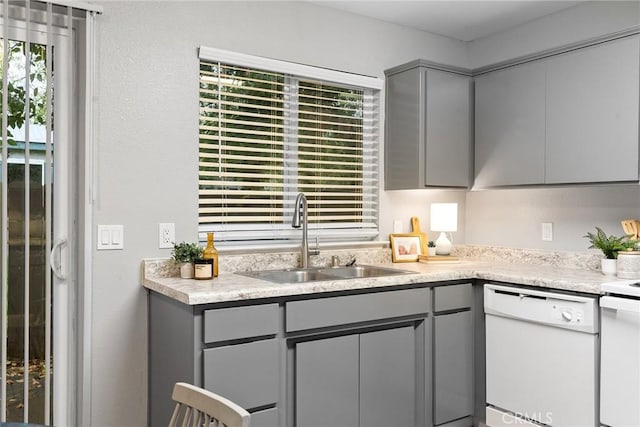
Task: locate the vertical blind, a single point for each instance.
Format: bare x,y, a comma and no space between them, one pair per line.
265,136
43,73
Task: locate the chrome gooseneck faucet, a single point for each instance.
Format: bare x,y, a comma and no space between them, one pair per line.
300,218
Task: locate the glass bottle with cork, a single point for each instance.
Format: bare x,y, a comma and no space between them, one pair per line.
210,252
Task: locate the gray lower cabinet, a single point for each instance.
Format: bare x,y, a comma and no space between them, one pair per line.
231,351
366,380
375,359
327,382
428,127
453,355
247,373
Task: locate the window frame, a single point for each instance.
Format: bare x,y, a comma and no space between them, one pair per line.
258,232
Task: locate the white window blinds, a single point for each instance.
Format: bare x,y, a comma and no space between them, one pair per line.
265,136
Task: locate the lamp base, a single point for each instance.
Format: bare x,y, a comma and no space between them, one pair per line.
443,245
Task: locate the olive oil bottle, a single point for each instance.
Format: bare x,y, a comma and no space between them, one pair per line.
210,252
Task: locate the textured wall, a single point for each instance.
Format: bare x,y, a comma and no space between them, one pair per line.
587,20
512,217
147,153
147,130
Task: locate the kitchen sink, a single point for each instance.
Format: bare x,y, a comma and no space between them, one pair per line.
293,275
303,275
362,271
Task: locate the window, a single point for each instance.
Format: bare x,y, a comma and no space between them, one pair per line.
268,132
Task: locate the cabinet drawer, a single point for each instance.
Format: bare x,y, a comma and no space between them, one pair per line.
240,322
265,418
247,374
452,297
319,313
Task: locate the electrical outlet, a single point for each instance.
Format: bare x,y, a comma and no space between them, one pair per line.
166,235
547,231
397,226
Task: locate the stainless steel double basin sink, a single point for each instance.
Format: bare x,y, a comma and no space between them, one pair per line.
303,275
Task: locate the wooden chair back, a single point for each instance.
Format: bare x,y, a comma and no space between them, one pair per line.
197,407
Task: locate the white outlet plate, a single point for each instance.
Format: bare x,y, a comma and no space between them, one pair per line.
110,237
547,232
166,235
398,227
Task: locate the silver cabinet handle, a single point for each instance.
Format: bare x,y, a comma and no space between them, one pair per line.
57,269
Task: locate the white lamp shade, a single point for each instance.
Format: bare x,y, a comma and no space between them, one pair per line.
444,216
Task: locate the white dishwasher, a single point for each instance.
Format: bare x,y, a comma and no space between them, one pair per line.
541,358
620,354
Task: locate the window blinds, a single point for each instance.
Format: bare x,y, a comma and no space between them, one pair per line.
265,136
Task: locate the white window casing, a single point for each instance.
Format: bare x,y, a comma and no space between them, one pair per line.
270,129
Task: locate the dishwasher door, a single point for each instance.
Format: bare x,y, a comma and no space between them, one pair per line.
541,362
620,362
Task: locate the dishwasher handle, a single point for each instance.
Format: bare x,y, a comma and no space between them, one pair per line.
623,304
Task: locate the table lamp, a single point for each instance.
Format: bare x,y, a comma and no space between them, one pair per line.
444,218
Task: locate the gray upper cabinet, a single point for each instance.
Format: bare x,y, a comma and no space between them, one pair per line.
428,128
509,126
592,114
571,118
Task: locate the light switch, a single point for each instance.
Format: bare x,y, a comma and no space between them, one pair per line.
116,238
110,237
105,238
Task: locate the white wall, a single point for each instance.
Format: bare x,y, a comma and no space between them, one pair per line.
147,132
512,217
582,22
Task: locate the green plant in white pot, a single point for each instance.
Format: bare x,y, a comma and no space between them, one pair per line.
185,254
609,245
431,248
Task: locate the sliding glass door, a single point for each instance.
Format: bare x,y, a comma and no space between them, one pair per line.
36,214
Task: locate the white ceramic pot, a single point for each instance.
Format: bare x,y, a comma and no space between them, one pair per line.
431,251
628,265
186,270
608,266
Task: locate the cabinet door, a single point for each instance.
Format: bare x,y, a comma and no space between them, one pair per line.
404,142
448,127
592,114
247,374
510,126
327,382
388,378
453,367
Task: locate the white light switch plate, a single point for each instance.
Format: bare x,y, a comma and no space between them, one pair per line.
110,237
397,226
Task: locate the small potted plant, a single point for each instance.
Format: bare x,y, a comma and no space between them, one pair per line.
609,245
185,254
431,248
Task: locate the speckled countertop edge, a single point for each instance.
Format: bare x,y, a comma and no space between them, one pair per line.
234,287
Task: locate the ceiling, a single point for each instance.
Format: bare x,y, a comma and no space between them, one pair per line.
462,20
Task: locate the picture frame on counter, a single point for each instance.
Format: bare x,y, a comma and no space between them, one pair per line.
406,247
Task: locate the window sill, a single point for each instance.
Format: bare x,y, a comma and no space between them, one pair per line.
289,247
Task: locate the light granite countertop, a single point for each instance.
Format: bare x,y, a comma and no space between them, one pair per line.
234,287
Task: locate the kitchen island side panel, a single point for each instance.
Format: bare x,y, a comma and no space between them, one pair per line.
172,354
